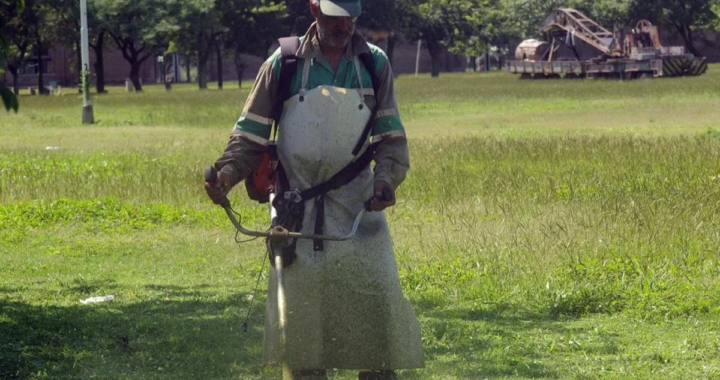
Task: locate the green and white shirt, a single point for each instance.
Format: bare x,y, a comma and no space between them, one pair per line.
255,123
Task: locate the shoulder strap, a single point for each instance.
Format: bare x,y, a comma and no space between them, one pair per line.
369,62
288,67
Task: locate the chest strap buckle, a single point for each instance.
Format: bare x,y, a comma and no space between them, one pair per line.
293,196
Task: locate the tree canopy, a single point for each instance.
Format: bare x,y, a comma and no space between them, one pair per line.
199,28
685,16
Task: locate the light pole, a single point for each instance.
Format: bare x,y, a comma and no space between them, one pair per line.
417,57
87,112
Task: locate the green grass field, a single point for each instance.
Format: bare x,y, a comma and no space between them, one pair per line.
547,229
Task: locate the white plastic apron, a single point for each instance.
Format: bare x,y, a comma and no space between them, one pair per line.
345,307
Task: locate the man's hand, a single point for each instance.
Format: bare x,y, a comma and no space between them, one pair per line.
217,191
383,196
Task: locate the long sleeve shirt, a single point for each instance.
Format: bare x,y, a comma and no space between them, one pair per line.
249,138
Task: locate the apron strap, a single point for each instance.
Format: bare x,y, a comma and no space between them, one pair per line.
305,75
318,244
290,204
343,177
369,62
361,90
288,67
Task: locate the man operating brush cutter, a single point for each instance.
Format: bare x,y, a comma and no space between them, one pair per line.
329,98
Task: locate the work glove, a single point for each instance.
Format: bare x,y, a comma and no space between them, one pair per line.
383,196
217,191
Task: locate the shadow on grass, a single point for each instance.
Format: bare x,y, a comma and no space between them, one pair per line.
192,334
80,285
174,339
486,343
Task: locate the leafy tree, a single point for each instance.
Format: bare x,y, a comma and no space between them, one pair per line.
270,22
475,26
195,28
253,26
32,28
526,15
462,26
9,99
64,24
686,16
136,27
34,15
301,16
97,35
609,13
16,40
392,16
715,24
63,18
428,25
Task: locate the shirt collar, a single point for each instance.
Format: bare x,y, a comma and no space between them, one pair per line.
310,46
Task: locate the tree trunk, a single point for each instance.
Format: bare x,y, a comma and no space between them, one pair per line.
133,56
135,75
435,50
218,52
201,72
487,61
40,77
99,63
187,67
239,66
16,84
12,69
391,42
435,59
687,36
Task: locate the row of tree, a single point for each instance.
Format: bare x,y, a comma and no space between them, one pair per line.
202,28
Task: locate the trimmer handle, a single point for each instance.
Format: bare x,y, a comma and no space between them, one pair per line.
368,205
210,174
211,178
387,196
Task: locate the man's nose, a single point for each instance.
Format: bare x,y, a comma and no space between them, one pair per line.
345,24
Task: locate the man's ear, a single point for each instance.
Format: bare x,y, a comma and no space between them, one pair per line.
314,8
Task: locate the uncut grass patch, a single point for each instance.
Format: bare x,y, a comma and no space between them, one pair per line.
555,229
507,216
457,103
569,226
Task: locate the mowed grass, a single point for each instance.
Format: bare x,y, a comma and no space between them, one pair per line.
547,229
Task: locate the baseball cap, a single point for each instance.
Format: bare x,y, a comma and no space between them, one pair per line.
340,8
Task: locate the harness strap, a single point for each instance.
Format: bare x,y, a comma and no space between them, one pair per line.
290,213
289,63
294,204
295,201
318,244
341,178
369,63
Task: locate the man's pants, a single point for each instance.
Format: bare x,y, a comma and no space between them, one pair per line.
321,374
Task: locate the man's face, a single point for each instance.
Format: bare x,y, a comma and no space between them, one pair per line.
335,31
